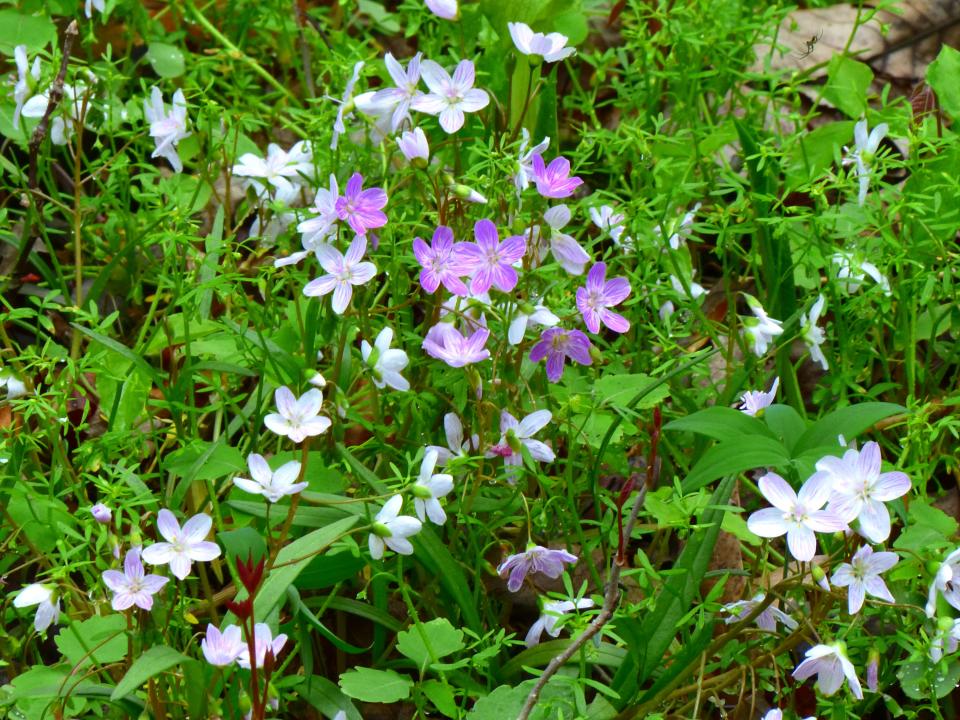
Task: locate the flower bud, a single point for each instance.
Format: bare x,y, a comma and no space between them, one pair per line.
873,669
318,381
101,513
413,145
467,193
820,577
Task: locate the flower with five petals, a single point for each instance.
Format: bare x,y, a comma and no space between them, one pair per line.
183,545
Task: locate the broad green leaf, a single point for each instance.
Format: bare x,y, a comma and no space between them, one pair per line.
540,655
557,700
923,514
848,421
240,543
327,697
720,423
153,662
785,423
619,390
943,74
126,352
202,460
18,29
814,152
100,640
442,697
298,606
918,679
734,457
847,85
430,641
379,686
436,558
689,654
166,60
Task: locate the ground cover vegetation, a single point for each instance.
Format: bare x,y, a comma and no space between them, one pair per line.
545,358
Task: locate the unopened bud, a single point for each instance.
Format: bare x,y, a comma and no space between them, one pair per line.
101,513
318,381
873,669
820,577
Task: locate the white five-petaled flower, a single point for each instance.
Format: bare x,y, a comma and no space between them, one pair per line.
813,336
456,445
391,529
525,159
515,434
263,640
947,582
761,329
133,586
523,315
395,101
796,514
343,272
449,97
860,489
565,249
167,128
46,600
852,270
429,488
385,362
865,147
612,222
317,229
27,79
345,105
273,485
830,664
752,402
550,617
766,620
223,648
551,47
861,576
297,418
282,169
71,111
446,9
182,546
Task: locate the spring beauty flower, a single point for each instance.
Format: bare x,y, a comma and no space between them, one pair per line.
861,577
297,418
553,180
812,335
598,295
946,582
761,329
535,559
443,261
263,641
514,435
273,485
556,345
445,342
391,530
89,5
47,602
860,489
611,222
523,315
493,260
280,168
830,664
446,9
565,249
456,446
317,229
865,147
525,159
413,145
27,79
345,105
450,97
361,208
395,101
343,272
753,402
766,620
679,232
852,270
550,617
222,648
133,586
798,515
101,513
386,363
429,488
167,128
182,546
551,47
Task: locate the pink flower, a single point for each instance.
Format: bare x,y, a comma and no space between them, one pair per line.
361,208
263,641
445,342
450,97
343,272
514,435
443,261
553,180
535,559
493,259
133,586
395,101
183,546
830,664
222,648
446,9
861,576
753,402
413,144
556,345
598,295
297,418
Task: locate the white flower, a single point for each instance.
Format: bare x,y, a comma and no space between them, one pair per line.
280,168
27,79
551,47
450,97
679,233
947,582
525,314
394,102
272,485
565,249
860,489
753,401
167,128
345,105
861,576
766,620
343,272
183,546
89,5
263,640
516,434
413,145
761,329
851,272
865,147
945,639
830,664
48,604
696,289
223,648
797,515
133,586
15,388
296,418
316,230
456,445
391,529
812,335
385,363
550,617
525,160
60,129
429,488
446,9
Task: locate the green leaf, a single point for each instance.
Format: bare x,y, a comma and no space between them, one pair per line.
299,607
847,85
104,635
933,518
557,700
689,653
814,152
441,696
540,655
430,641
436,558
166,60
18,29
241,542
720,423
618,390
153,662
943,74
848,421
327,697
379,686
785,423
126,352
734,457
